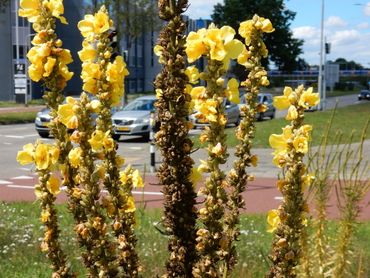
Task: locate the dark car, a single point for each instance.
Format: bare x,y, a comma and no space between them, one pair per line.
364,94
262,98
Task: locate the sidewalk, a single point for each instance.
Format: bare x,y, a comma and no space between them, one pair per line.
21,109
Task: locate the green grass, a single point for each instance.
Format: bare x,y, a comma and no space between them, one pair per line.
347,120
20,233
14,104
336,93
17,118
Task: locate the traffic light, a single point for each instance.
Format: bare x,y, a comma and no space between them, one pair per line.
327,47
113,44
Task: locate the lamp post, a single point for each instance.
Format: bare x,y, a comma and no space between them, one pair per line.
321,72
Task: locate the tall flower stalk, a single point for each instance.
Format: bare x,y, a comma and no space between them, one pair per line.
218,46
290,148
107,86
252,31
176,169
48,64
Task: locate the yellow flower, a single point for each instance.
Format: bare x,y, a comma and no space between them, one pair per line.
42,158
137,181
90,70
246,30
54,154
158,51
266,25
30,9
95,105
193,74
308,98
218,149
90,86
35,71
108,142
300,144
63,71
292,113
232,91
48,67
57,9
66,113
96,140
307,180
279,142
203,167
45,215
74,157
101,22
117,70
123,177
130,205
158,93
88,53
26,155
195,176
281,102
243,58
198,92
280,159
94,24
53,185
195,47
208,109
213,41
273,220
254,160
65,57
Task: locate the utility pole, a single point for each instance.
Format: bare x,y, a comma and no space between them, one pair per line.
320,85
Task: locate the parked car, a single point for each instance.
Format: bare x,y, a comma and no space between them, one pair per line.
43,119
134,118
364,94
232,113
263,98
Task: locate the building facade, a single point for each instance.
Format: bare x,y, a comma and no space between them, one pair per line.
16,34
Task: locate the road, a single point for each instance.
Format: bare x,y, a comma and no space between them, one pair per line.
17,182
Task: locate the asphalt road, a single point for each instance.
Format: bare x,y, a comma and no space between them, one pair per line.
17,182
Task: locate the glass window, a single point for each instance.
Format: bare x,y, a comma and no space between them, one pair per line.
140,105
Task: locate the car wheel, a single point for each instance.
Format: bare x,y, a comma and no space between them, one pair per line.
272,115
260,117
359,98
237,122
116,137
44,134
146,137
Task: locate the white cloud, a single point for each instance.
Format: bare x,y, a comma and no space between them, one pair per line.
334,22
367,9
363,25
201,8
350,44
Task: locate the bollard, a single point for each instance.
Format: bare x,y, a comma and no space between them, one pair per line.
152,141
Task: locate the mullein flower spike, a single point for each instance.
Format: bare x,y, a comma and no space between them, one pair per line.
48,63
252,31
290,147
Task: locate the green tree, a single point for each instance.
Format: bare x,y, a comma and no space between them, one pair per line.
348,65
283,48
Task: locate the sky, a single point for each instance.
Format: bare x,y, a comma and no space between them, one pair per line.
346,26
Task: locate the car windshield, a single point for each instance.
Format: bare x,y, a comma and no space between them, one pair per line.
140,105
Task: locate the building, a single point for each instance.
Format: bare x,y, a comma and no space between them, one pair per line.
16,34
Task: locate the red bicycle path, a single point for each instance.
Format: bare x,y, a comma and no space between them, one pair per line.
260,197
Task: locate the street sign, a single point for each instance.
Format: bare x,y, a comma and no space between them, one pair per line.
20,84
20,68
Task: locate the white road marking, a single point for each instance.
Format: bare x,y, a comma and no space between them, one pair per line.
25,169
135,148
105,191
280,198
5,182
7,143
22,178
20,136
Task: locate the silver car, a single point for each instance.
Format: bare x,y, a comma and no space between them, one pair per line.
134,118
42,121
262,98
232,113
